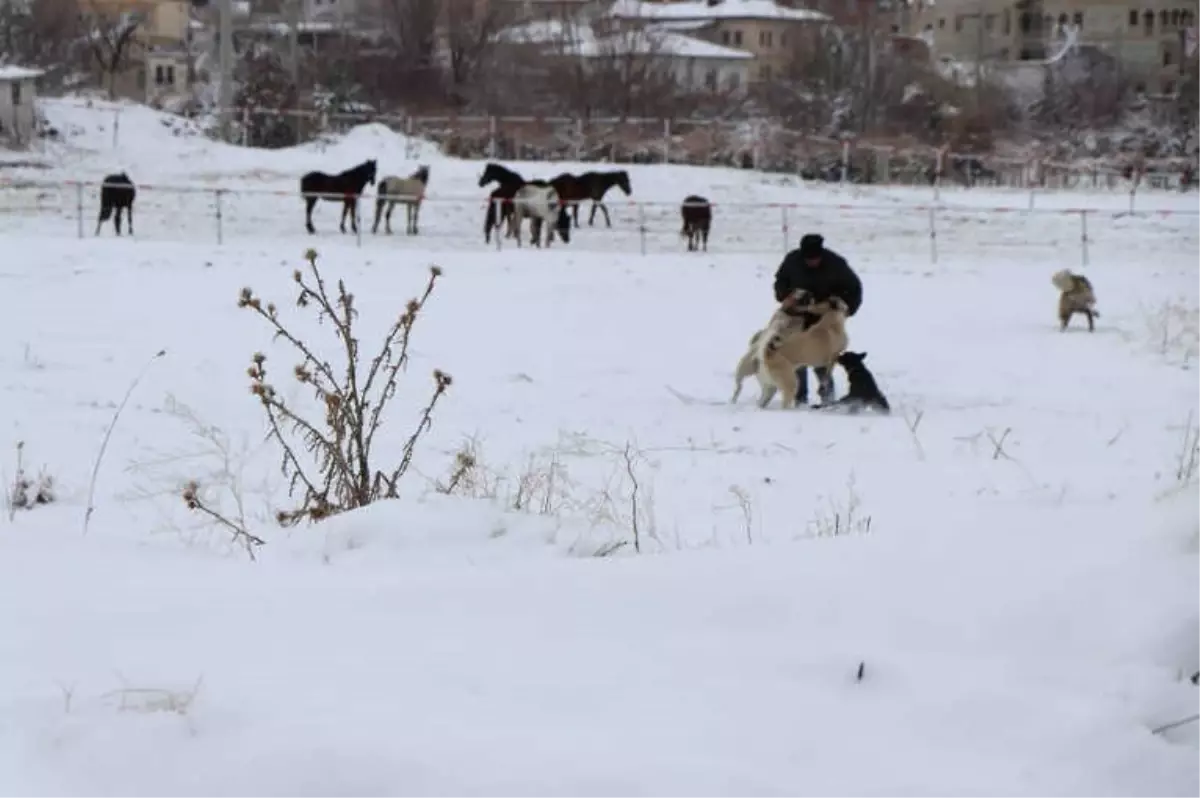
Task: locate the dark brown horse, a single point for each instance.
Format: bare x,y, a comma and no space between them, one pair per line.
117,193
500,201
346,186
574,189
697,220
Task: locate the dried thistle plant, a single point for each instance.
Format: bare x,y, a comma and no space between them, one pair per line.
341,474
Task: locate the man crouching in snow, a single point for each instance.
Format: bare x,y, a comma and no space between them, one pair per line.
824,274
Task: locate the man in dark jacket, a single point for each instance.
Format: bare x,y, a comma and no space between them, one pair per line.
824,274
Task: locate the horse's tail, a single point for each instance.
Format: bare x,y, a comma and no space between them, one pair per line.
106,210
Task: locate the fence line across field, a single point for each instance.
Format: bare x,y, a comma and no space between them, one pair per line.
1032,172
785,209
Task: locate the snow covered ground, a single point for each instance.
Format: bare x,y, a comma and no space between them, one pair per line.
1010,559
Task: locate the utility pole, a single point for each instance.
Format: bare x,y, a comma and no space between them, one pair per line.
225,94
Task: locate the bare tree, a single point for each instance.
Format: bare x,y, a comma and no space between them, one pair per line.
112,40
43,33
469,36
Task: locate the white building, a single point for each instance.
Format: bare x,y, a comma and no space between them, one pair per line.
696,65
17,96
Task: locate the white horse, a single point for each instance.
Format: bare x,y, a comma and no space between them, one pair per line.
408,190
540,204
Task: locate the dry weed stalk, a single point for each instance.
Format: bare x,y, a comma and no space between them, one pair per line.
842,518
345,477
1189,452
25,493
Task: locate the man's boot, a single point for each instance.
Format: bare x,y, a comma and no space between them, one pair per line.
824,385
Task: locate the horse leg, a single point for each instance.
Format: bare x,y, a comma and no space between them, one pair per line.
117,219
391,208
592,217
129,211
607,219
99,220
416,214
309,204
379,203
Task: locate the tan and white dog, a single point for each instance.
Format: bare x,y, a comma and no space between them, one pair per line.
781,319
783,350
1077,296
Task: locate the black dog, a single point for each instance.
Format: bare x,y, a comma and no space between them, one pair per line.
864,392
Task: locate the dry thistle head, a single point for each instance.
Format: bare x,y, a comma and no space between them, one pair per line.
302,373
271,309
297,276
245,298
190,497
464,460
412,307
442,379
310,255
436,271
259,358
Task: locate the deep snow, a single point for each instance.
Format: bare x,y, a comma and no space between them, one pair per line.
1025,613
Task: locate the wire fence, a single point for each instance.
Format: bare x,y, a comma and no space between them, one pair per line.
227,216
754,145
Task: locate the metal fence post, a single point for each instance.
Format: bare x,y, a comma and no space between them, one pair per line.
220,226
933,250
845,161
666,141
784,221
79,207
491,137
498,204
1083,234
116,127
356,219
642,226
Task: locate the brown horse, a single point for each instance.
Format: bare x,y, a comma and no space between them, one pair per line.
574,189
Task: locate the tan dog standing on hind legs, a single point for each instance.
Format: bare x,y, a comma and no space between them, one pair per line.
782,318
1077,296
783,351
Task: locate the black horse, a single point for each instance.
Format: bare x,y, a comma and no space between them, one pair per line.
117,193
574,189
345,186
697,220
500,199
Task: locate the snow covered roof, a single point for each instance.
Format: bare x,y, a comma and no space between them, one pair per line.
684,24
19,73
724,9
546,31
580,40
654,43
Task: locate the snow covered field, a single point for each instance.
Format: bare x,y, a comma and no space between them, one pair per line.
1010,558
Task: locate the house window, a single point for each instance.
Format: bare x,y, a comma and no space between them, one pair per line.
158,74
989,23
164,75
16,93
1062,20
941,23
1175,18
783,40
724,37
1133,17
958,23
1027,23
1078,19
734,81
1163,19
1148,22
1007,22
710,80
770,38
737,38
1166,59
